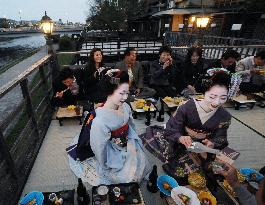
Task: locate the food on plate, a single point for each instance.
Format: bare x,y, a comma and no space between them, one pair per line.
253,177
166,186
206,198
139,104
32,202
229,188
71,107
241,177
169,99
261,71
184,198
180,172
145,108
197,180
178,100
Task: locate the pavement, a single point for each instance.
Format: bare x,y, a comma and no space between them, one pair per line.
13,98
51,171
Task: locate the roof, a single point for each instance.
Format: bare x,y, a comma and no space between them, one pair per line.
182,11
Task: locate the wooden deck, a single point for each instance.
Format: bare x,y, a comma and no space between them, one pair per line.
51,171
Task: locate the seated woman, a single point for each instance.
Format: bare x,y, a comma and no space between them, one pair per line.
162,73
118,151
67,88
192,68
205,121
91,76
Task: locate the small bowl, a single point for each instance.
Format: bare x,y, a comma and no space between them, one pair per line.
169,180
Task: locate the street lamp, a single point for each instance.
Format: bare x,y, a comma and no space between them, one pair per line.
46,25
47,28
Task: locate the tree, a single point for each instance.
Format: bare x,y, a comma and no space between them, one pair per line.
112,15
4,23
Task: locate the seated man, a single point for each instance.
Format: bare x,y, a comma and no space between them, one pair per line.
135,72
67,89
162,72
227,61
252,79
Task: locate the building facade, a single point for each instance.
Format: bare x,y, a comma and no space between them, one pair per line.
224,17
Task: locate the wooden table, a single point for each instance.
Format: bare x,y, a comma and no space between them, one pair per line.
65,113
171,105
243,100
137,111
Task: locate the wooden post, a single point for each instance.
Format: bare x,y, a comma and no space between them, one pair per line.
30,109
45,83
7,156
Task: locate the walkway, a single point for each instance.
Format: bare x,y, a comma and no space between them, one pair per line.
12,99
51,171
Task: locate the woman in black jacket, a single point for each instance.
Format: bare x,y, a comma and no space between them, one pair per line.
192,67
91,76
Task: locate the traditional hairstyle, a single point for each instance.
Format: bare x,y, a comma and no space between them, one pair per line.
66,73
128,50
165,49
91,57
111,81
230,54
207,81
221,77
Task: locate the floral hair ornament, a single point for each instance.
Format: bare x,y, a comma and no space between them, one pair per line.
213,71
113,80
234,82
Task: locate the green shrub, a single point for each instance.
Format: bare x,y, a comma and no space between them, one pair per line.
66,44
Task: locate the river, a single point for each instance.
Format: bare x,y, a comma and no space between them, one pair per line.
15,46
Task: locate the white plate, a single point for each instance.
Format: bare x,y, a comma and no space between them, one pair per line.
188,192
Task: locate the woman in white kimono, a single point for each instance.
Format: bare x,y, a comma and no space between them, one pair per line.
119,155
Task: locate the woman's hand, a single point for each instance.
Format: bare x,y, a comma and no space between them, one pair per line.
185,140
59,94
208,143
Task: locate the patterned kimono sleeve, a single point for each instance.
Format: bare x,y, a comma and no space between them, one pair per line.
175,127
99,138
220,135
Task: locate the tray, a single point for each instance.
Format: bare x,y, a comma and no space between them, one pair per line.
129,190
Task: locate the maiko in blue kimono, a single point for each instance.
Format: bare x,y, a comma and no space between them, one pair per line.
118,151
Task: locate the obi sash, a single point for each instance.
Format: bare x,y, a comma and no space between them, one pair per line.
120,136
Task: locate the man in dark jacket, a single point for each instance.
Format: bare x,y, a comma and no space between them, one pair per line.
67,88
136,75
228,61
162,72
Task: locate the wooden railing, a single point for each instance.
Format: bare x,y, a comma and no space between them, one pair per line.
22,129
187,39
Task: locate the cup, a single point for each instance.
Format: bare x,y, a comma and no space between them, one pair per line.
53,197
117,191
102,192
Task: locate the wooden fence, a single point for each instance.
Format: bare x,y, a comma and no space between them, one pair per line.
23,129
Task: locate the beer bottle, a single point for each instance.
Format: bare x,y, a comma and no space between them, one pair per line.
82,195
152,182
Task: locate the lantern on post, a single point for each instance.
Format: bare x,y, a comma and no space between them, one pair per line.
46,25
47,28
